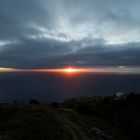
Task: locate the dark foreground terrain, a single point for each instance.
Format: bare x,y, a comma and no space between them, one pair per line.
84,118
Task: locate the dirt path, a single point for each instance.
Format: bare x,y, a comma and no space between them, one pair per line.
66,123
75,131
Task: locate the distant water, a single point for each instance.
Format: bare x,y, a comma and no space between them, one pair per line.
59,87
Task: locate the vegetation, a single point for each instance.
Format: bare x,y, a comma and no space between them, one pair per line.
33,101
30,122
121,112
118,117
84,123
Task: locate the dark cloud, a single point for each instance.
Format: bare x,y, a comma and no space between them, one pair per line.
51,53
50,33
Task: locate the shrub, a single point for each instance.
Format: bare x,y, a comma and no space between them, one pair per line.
33,101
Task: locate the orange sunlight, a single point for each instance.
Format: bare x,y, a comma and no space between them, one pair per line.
68,70
7,69
72,70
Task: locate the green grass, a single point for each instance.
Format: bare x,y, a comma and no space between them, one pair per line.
30,122
86,122
38,122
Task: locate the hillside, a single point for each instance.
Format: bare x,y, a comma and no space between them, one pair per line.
44,122
122,112
31,122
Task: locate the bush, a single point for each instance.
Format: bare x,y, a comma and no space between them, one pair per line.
55,105
33,101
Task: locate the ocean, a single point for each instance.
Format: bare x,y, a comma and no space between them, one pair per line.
56,87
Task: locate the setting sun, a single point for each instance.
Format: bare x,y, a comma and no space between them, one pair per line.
70,70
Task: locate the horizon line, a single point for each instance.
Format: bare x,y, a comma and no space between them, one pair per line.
99,69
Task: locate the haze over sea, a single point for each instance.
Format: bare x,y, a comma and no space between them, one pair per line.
50,87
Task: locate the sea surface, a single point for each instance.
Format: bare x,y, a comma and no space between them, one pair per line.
56,87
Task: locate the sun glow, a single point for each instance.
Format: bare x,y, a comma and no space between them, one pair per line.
7,69
70,70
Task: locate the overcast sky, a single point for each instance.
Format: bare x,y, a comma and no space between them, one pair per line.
57,33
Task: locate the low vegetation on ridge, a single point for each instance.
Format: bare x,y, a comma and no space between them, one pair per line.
115,117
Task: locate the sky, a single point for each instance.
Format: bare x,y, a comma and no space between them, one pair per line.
58,33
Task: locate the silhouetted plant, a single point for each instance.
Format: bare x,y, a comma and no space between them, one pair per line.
34,101
15,101
55,104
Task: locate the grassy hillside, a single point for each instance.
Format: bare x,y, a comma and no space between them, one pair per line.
120,112
83,123
31,122
72,120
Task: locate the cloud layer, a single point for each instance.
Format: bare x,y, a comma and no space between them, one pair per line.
52,33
